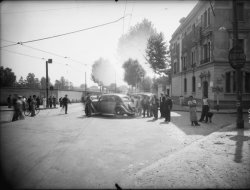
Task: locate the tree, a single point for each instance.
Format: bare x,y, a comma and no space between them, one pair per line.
133,72
146,84
112,87
31,81
82,86
21,82
133,44
7,77
156,53
43,83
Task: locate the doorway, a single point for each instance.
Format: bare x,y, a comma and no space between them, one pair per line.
205,88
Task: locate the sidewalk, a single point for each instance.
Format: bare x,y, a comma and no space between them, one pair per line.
199,108
220,160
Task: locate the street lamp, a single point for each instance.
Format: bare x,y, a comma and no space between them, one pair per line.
237,59
47,82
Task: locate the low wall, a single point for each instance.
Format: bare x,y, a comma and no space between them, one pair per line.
73,95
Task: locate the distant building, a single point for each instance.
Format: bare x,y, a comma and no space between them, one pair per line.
199,53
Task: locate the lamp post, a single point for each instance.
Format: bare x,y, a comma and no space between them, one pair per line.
47,82
237,60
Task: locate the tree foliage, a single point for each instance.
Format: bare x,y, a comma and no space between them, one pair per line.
133,72
156,53
43,83
7,77
146,84
31,81
134,43
63,84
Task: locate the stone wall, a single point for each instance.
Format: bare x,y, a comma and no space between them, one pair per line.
74,96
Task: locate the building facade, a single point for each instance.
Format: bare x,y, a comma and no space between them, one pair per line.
199,54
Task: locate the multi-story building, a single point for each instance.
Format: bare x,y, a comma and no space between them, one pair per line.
199,53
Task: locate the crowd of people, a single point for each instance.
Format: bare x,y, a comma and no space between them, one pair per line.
145,106
148,106
21,104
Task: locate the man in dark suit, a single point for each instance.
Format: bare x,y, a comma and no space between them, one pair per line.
168,107
65,102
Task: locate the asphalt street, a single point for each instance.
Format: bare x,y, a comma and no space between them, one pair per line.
57,150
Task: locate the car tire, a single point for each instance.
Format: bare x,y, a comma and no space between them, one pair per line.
119,111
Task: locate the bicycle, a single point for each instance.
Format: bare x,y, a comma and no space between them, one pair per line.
27,111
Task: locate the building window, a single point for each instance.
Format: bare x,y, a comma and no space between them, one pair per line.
193,84
240,11
228,82
208,17
234,81
175,67
185,84
184,63
241,43
247,82
208,50
205,19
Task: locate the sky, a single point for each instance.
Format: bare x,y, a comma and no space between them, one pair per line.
74,54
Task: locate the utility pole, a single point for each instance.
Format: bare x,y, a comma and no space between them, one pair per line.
47,83
237,60
85,85
115,81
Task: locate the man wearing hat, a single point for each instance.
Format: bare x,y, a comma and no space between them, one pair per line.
65,102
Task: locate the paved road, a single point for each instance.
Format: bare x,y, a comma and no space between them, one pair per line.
54,150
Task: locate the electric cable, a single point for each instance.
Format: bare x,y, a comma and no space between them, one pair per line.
55,36
18,53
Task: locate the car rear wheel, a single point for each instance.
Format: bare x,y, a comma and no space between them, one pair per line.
119,111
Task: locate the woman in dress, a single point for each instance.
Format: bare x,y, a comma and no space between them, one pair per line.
192,110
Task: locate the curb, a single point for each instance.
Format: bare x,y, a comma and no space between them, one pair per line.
215,112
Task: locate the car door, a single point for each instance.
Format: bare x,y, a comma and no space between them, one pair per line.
111,104
103,104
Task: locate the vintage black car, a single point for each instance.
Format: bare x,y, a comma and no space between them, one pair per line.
115,104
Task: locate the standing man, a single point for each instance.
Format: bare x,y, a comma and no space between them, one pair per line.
60,101
33,105
205,109
168,106
65,102
161,105
54,101
88,104
50,102
9,101
155,103
37,102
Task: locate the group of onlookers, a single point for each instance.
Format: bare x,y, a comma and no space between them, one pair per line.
147,106
21,103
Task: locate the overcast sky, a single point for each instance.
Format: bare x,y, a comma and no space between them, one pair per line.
29,20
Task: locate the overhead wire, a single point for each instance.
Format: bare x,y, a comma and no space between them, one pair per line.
55,36
18,53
